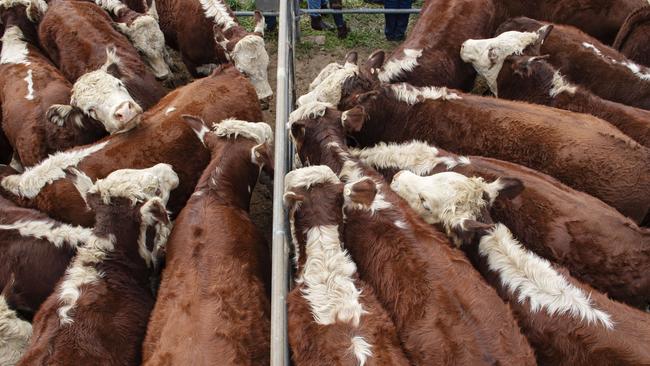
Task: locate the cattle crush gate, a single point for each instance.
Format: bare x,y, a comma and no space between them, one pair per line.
289,13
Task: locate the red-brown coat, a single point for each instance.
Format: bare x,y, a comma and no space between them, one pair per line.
334,316
215,285
632,38
162,137
586,61
76,56
438,320
582,151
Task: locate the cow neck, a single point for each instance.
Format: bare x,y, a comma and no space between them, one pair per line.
535,87
231,175
329,149
383,113
119,220
16,16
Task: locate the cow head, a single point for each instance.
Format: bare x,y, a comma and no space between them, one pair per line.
146,36
249,56
339,84
101,95
487,55
449,199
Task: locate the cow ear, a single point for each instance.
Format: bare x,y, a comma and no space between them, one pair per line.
475,227
291,199
263,157
519,64
536,48
509,187
59,114
112,65
374,63
198,126
298,130
259,23
353,119
152,11
219,37
156,209
351,58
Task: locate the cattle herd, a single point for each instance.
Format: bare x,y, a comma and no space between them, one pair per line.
429,225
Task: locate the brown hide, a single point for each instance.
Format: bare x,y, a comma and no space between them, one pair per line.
317,344
36,263
599,18
581,65
215,286
110,316
162,137
566,340
632,39
440,30
438,320
582,151
76,55
530,80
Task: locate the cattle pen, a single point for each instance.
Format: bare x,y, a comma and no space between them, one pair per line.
289,15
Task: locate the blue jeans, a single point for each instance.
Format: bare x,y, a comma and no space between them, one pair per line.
396,23
317,4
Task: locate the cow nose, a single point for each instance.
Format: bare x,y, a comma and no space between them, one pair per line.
125,112
162,76
266,102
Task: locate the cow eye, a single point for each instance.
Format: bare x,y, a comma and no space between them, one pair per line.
92,113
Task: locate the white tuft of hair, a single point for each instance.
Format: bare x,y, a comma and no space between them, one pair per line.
15,334
57,234
534,279
415,156
111,6
14,47
361,349
640,72
395,68
309,111
561,85
330,89
309,176
409,94
41,6
260,132
218,12
137,185
328,278
324,74
30,183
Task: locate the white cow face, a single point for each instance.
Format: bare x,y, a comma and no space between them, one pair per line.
487,55
251,59
146,36
101,95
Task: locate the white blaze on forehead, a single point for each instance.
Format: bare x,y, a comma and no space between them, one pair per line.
561,85
260,132
395,68
310,110
534,279
15,334
330,89
407,93
250,57
14,47
640,72
309,176
137,185
218,12
417,157
487,55
57,234
30,183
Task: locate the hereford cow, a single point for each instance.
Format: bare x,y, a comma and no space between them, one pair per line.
76,56
567,322
143,31
567,227
579,57
192,26
408,264
632,38
162,137
582,151
334,317
528,77
99,311
215,242
14,332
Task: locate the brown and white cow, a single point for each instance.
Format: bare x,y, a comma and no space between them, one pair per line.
632,38
595,242
567,322
409,264
162,137
191,27
215,288
143,31
99,311
582,151
77,56
334,317
579,57
528,77
14,331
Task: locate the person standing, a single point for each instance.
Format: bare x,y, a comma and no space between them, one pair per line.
396,24
317,22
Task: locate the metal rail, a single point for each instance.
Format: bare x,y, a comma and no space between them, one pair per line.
334,11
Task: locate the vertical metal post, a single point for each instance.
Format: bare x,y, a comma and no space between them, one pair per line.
280,251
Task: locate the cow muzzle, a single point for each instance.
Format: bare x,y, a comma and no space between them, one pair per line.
127,115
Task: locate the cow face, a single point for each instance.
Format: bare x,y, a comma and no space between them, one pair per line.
146,36
449,198
487,55
101,95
